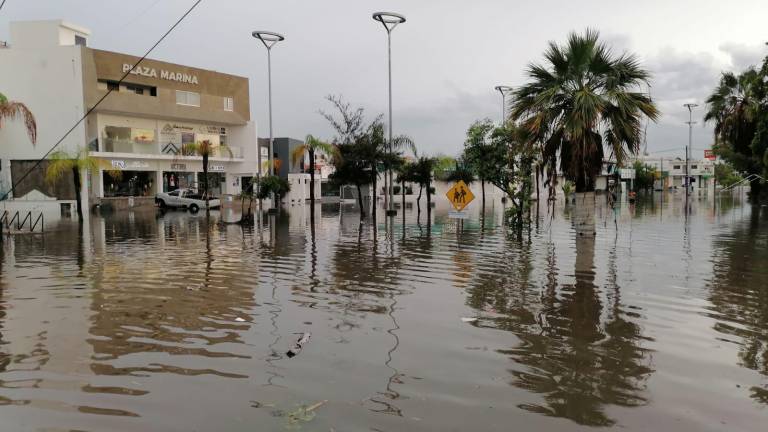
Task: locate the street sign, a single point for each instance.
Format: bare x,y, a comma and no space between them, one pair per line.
459,195
710,154
458,215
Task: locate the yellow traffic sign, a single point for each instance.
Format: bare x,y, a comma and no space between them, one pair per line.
459,195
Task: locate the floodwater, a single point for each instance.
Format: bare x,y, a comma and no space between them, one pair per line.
141,321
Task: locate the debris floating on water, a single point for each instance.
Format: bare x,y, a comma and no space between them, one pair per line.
466,319
296,349
238,319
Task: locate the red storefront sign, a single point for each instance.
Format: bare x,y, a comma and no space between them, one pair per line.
709,154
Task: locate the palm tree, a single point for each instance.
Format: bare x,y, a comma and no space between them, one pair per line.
380,153
10,110
206,149
423,169
584,99
62,162
734,108
310,146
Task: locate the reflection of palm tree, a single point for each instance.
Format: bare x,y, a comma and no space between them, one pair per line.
567,354
738,293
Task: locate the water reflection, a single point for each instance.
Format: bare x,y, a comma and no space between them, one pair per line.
739,294
145,314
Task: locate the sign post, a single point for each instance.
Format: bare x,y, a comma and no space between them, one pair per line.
459,196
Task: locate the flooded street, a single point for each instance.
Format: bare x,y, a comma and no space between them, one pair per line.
150,321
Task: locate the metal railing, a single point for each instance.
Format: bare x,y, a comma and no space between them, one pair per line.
5,223
746,179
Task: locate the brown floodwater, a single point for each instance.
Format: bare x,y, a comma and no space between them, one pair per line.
142,321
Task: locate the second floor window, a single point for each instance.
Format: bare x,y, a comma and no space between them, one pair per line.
694,167
229,104
676,167
187,98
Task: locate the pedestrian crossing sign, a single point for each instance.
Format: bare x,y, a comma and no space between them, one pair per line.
459,195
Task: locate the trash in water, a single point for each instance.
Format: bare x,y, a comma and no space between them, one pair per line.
300,414
465,319
296,349
238,319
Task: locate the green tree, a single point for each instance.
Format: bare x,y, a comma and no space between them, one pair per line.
423,170
10,110
645,175
311,146
460,172
352,168
62,162
582,100
738,108
273,185
476,149
725,175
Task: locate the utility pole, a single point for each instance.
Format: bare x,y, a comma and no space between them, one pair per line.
690,122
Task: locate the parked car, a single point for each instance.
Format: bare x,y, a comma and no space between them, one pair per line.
185,198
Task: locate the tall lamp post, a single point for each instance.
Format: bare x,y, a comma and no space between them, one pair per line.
269,39
389,20
503,90
688,148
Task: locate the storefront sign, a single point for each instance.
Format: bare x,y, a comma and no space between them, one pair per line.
123,165
709,154
627,173
216,168
213,130
178,167
164,74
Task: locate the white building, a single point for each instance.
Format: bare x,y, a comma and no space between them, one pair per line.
140,134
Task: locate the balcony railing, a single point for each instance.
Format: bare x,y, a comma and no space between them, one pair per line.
113,145
116,145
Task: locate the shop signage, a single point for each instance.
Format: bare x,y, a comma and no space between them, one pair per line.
123,165
213,130
216,168
709,154
627,173
178,166
164,74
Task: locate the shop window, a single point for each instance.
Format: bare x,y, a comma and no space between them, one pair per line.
229,104
187,98
128,183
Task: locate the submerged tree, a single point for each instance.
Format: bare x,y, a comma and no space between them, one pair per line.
738,108
583,100
61,163
206,149
311,146
476,148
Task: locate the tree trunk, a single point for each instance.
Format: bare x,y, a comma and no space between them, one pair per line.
418,203
374,178
312,177
482,187
755,190
429,201
584,214
76,178
360,201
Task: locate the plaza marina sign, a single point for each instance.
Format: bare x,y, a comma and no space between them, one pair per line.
164,74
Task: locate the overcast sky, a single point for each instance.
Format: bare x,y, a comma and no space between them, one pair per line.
447,57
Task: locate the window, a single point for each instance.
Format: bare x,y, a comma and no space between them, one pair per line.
676,167
79,40
174,193
694,167
229,104
187,98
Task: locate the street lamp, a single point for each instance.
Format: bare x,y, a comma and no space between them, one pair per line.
389,20
269,39
503,90
690,122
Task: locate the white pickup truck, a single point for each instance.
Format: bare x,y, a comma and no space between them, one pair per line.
185,198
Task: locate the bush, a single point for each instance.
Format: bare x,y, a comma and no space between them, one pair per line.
273,184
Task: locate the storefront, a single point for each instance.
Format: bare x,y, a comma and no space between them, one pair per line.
129,183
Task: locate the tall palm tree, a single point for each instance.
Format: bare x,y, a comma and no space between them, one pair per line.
10,110
381,158
583,99
311,146
62,162
734,108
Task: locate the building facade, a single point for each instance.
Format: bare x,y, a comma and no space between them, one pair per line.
143,136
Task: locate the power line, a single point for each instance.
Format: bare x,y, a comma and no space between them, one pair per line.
109,91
